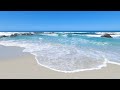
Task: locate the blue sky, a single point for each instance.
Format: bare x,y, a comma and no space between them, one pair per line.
59,20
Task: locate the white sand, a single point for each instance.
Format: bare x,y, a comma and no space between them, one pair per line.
24,66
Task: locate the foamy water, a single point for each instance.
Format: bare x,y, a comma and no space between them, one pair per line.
72,53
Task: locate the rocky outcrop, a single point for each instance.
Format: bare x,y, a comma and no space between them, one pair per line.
17,34
3,36
27,34
106,35
14,35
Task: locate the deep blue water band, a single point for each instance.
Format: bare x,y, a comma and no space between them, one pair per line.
59,30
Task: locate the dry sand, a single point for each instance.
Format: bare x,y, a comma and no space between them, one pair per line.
14,64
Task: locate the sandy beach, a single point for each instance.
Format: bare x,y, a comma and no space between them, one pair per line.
14,64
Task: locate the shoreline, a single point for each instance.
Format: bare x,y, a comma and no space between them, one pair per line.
81,70
24,65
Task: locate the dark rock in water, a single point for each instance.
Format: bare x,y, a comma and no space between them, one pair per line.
14,35
17,34
106,35
27,34
3,36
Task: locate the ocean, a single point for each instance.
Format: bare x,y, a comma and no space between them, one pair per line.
68,51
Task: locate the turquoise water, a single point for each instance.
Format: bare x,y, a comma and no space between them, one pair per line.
68,52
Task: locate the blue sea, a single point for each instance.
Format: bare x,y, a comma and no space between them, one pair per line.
67,51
